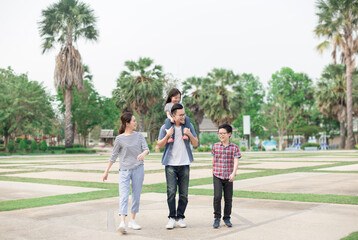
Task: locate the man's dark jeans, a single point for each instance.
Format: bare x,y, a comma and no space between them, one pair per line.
219,186
177,176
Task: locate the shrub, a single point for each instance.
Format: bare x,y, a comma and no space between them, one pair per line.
53,148
43,146
356,146
18,140
243,149
11,146
2,141
80,150
34,146
23,145
77,145
307,144
2,148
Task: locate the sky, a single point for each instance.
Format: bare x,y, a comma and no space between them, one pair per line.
188,38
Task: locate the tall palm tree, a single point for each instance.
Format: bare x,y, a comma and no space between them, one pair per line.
191,97
338,23
222,96
140,87
331,97
64,23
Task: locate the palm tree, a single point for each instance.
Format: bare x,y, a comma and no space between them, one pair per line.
338,23
331,97
64,23
140,87
222,96
191,97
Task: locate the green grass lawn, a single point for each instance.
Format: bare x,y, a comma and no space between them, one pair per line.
111,189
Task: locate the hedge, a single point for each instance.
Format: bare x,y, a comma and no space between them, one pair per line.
80,150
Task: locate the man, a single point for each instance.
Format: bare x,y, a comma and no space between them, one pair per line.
176,158
225,163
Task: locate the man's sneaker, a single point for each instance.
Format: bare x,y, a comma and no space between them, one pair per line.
170,140
181,223
132,224
170,224
185,137
216,223
122,228
227,223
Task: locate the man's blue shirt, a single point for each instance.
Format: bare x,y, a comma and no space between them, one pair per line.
169,146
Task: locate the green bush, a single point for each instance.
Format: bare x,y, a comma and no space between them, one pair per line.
80,150
23,145
2,148
53,148
307,144
11,146
2,141
43,146
200,149
34,146
263,149
243,149
77,145
18,140
209,138
356,146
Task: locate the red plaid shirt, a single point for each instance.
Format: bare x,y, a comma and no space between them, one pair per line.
223,164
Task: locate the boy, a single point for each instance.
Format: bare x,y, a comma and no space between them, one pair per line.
225,163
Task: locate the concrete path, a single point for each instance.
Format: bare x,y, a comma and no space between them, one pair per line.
252,219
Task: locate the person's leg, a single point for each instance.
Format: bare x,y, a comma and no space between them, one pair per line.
218,192
186,125
183,183
124,181
228,191
137,184
168,124
171,178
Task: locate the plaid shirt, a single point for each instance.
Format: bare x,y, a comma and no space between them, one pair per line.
223,164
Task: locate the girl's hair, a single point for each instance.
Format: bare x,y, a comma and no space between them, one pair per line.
173,92
125,118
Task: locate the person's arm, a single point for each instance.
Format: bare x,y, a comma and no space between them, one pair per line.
162,141
145,149
233,174
105,175
142,155
169,116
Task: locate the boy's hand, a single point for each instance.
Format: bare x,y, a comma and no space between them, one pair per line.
232,177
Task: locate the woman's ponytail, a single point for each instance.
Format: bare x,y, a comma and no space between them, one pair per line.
125,118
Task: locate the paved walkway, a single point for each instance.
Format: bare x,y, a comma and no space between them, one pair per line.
252,218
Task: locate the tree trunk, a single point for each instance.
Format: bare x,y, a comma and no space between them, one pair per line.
349,74
342,140
6,139
69,137
280,140
141,122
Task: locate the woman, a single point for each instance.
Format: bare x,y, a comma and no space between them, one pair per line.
131,148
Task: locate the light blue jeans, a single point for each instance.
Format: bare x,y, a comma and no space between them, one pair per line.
125,177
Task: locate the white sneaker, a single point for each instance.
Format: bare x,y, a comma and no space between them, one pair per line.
132,224
171,223
122,228
181,223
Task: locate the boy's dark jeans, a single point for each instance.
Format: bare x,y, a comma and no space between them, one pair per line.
221,185
177,176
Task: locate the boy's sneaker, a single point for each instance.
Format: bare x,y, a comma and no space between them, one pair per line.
122,228
216,223
170,140
132,224
170,224
185,137
227,223
181,223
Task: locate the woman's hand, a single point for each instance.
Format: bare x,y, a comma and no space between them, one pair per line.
140,157
105,176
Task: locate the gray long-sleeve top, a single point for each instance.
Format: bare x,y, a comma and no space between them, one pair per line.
127,148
